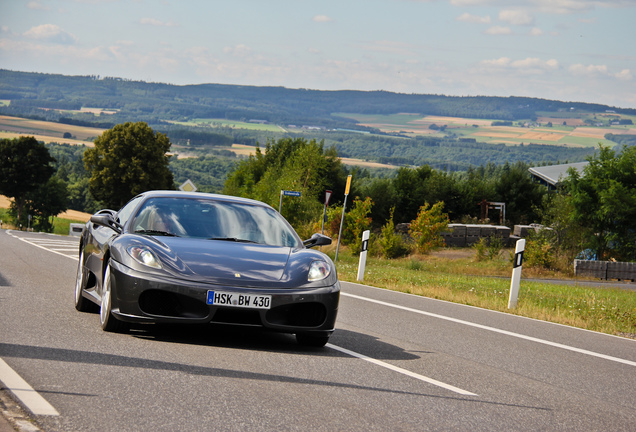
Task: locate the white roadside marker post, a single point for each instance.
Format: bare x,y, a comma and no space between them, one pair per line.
516,274
363,255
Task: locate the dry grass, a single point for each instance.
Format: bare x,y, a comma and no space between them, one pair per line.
74,215
486,284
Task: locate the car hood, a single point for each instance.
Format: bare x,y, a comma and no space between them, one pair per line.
226,260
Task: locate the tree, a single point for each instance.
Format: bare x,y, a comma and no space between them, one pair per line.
521,194
392,244
426,229
290,164
604,202
357,221
128,159
49,199
25,164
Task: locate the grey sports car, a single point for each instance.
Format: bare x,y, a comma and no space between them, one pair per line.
178,257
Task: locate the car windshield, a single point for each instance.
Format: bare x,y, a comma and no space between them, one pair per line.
214,220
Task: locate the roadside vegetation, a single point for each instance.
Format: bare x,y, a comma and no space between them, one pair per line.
457,276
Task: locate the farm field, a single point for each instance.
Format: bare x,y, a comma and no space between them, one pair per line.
232,124
575,133
12,127
46,138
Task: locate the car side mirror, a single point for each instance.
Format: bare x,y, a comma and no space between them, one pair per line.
317,240
106,220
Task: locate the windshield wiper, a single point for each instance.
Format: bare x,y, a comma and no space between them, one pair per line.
156,232
232,239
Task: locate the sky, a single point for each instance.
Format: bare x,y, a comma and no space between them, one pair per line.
568,50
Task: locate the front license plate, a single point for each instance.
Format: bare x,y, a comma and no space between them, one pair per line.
250,301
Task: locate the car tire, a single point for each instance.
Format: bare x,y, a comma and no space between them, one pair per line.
82,304
107,320
309,340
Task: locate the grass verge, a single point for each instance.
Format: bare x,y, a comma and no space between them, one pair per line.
606,310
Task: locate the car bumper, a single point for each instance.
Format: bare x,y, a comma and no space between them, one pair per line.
140,297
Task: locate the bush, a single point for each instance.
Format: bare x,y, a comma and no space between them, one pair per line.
357,221
427,228
488,248
539,252
392,244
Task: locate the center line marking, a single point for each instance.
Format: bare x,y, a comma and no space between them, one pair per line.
496,330
401,370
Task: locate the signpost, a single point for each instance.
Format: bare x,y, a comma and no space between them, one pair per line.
286,193
324,212
344,206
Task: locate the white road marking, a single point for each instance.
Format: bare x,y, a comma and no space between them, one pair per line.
496,330
38,243
402,371
23,391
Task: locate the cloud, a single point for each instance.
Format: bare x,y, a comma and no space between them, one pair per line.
35,5
321,19
157,23
466,17
238,50
50,33
536,31
589,70
500,62
560,7
498,30
530,65
535,63
624,75
516,17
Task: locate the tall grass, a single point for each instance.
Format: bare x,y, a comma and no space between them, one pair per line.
466,281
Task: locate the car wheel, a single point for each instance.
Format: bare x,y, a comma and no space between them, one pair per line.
107,320
311,340
82,304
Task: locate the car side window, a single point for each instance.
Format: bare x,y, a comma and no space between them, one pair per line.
124,214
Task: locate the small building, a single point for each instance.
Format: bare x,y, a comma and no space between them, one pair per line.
551,176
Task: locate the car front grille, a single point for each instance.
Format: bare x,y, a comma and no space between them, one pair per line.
168,304
308,314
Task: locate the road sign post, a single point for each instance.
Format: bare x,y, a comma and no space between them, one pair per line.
515,281
286,193
344,206
324,212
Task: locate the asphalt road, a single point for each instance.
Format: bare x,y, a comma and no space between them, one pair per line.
396,362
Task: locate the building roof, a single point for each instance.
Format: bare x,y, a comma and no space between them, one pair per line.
553,174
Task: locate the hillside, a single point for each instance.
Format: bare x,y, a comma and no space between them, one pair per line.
159,101
452,133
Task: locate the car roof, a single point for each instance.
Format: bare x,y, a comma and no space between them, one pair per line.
201,195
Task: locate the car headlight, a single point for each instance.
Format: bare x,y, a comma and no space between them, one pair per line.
318,270
144,255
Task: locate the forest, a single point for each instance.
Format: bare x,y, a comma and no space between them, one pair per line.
106,101
158,102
